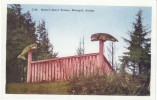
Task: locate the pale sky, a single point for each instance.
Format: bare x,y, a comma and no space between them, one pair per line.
65,28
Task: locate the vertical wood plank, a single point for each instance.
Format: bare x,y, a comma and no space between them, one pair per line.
67,68
55,70
99,62
49,76
60,72
32,72
85,66
35,72
38,71
64,66
90,69
52,70
47,71
73,67
44,71
95,64
90,65
61,69
29,71
83,71
53,73
77,67
80,66
41,72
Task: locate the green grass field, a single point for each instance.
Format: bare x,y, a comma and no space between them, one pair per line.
37,88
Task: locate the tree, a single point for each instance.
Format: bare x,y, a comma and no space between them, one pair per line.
138,56
80,50
20,33
111,51
45,48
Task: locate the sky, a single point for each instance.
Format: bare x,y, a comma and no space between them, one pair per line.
66,27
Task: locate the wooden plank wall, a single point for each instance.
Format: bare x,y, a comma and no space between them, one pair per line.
65,68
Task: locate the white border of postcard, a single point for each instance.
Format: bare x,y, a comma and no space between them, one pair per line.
148,3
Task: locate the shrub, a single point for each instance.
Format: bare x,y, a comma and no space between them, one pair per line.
116,84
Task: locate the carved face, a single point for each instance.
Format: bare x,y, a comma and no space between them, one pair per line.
33,46
103,36
94,37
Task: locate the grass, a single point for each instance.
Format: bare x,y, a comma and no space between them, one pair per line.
37,88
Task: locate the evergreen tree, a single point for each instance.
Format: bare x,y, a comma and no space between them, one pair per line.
20,33
81,50
138,56
45,48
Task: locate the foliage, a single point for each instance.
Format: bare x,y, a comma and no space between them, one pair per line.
45,48
117,84
94,85
21,32
137,59
111,53
81,50
37,88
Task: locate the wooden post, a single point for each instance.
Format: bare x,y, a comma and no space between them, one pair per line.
101,52
29,66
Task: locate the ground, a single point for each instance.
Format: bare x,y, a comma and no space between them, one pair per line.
37,88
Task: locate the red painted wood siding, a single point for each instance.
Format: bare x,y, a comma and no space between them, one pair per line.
68,67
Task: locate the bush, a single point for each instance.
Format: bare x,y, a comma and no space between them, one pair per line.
116,84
